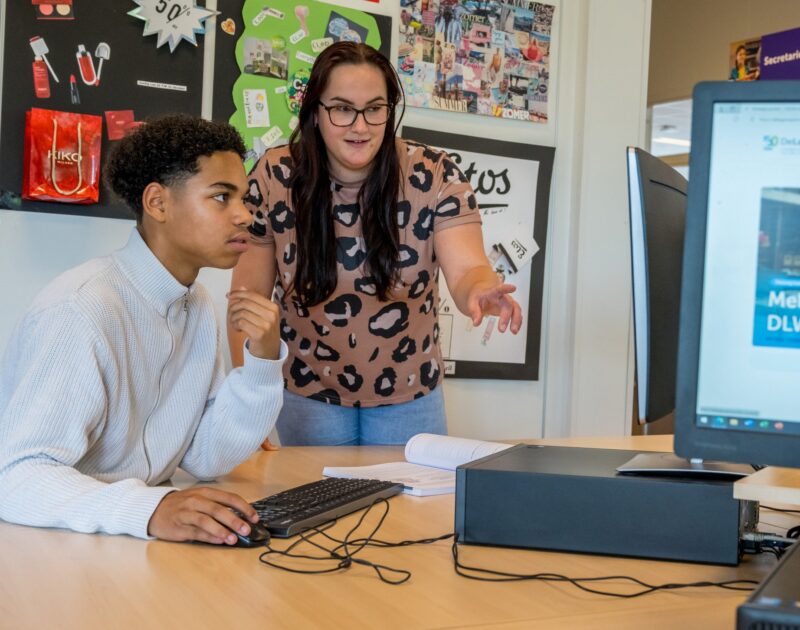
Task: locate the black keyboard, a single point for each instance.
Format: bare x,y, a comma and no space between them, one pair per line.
298,509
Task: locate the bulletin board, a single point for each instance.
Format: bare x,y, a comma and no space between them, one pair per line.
137,80
512,185
264,55
488,58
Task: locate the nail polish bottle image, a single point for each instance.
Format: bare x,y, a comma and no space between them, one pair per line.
86,65
41,80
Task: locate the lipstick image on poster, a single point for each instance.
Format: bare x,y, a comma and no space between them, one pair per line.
74,95
86,65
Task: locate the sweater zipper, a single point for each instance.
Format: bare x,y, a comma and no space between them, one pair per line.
161,386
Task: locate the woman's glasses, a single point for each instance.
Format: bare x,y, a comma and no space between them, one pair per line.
345,115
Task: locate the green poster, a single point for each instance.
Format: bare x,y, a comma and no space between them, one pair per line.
274,54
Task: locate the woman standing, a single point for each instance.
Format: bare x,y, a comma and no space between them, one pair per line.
353,225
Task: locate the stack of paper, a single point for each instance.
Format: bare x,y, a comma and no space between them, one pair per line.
430,464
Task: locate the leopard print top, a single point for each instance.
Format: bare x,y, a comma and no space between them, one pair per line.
352,349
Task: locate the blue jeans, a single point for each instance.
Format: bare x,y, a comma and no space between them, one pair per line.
307,422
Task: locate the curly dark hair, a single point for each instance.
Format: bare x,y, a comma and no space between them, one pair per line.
165,150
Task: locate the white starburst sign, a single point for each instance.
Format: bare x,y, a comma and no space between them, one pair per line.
172,20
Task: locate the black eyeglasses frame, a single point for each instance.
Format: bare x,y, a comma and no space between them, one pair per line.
357,111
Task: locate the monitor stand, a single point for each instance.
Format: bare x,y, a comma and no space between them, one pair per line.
671,464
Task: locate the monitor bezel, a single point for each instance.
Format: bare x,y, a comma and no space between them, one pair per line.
638,236
732,445
647,176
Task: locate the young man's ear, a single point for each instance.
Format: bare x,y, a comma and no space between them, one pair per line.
154,202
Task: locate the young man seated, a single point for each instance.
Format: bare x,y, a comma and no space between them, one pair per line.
115,375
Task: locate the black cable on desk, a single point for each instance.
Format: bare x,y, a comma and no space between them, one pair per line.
774,509
343,554
491,575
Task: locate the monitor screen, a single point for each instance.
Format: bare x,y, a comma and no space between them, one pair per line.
739,362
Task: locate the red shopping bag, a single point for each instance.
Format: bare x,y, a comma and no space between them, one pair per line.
62,156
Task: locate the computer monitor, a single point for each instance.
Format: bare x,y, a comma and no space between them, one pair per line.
657,210
739,348
738,395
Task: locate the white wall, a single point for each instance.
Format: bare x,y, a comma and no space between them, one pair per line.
614,117
598,81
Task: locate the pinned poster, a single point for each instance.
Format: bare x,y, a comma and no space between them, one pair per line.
744,60
489,58
273,50
256,112
88,58
172,21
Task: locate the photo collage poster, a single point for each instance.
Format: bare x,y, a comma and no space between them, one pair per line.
512,185
488,57
275,50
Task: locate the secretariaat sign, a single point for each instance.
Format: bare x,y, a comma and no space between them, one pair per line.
512,184
477,56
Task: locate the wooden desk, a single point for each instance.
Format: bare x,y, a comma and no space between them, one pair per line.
59,579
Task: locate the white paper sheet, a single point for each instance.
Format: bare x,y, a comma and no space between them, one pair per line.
431,462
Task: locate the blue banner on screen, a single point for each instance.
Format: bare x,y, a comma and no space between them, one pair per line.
777,308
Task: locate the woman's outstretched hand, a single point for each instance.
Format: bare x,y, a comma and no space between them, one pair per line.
497,301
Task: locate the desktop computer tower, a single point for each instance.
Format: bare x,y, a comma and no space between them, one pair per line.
573,499
776,602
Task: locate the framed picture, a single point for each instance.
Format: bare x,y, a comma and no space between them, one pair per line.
512,184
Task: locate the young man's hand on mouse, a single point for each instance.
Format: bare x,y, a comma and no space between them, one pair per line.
203,514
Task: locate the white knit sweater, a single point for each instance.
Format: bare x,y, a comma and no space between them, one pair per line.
112,380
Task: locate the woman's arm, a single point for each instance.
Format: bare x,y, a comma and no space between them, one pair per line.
255,271
475,287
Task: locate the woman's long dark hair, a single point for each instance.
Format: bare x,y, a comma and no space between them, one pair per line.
315,276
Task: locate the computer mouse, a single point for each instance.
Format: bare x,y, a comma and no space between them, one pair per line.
258,537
